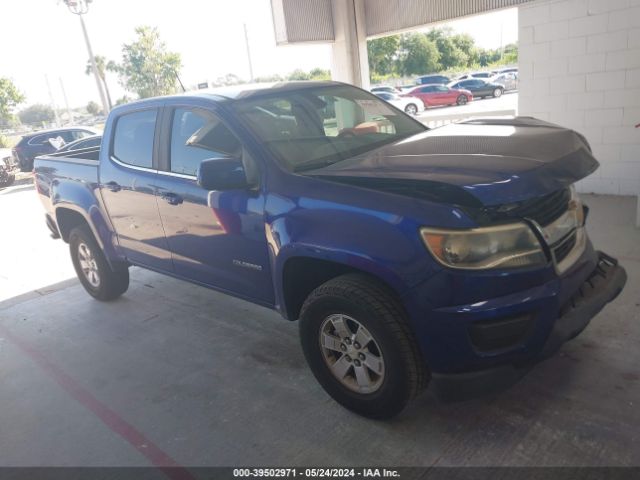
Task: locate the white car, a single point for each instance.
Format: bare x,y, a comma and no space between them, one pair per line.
384,89
410,105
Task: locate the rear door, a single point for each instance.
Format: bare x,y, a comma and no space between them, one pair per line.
216,238
128,181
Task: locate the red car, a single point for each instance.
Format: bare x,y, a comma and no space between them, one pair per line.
433,95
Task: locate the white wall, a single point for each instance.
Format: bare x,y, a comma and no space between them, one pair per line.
580,68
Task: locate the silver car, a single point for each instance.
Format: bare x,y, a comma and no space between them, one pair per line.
508,80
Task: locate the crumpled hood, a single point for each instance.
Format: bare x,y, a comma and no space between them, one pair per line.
487,161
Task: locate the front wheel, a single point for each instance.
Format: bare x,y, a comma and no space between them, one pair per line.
411,109
497,93
462,100
97,277
357,342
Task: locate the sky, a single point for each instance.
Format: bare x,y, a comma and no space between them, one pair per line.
46,40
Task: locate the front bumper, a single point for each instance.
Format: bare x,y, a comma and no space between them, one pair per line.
602,286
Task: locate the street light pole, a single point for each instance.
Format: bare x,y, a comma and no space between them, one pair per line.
81,7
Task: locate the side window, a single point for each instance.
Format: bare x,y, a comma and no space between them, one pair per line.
198,135
78,134
133,138
43,139
426,89
68,136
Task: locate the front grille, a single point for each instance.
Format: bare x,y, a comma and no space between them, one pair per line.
542,210
564,246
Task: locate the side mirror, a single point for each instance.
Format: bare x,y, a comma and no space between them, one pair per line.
222,174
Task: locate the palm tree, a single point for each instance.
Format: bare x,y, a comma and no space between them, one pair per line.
102,65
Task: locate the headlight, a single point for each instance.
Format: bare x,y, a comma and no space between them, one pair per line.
504,246
571,219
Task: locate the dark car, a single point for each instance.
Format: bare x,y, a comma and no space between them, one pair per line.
433,80
34,144
479,88
87,142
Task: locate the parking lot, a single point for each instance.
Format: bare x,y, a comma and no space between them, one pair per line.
174,374
506,104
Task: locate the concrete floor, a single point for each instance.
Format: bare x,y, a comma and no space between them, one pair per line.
173,374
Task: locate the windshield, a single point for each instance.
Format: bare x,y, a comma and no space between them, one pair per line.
314,127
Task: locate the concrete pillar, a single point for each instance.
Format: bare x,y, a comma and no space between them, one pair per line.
349,60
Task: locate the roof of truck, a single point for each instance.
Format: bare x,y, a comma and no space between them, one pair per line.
234,92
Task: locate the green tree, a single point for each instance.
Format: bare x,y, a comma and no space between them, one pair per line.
122,100
93,108
451,56
147,67
10,97
319,74
467,45
37,113
510,53
417,55
103,66
298,74
382,54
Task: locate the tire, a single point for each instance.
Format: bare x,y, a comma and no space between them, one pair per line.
394,367
411,109
497,93
92,268
7,180
461,100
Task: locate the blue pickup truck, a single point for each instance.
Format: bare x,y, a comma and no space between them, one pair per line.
455,257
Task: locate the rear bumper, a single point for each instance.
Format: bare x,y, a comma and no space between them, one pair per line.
602,286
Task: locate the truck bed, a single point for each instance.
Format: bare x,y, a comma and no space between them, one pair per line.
58,176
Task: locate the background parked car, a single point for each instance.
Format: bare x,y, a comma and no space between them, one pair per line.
475,75
34,144
434,95
87,142
479,87
433,80
508,80
507,70
408,104
7,172
384,88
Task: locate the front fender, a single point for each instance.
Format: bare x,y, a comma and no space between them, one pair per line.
349,259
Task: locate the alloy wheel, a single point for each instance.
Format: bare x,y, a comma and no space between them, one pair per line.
88,265
351,353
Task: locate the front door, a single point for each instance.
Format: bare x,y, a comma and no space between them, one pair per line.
128,186
215,238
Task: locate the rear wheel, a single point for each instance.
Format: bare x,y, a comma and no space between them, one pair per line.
6,179
497,93
357,342
97,277
462,100
411,109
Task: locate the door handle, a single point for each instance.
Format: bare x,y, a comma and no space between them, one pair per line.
172,198
113,186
